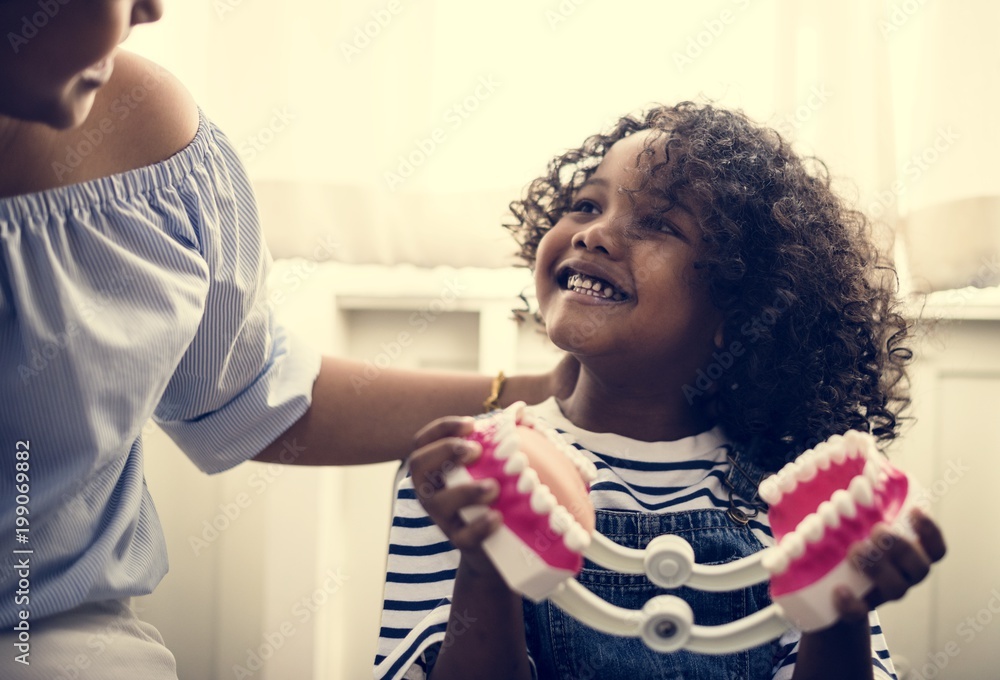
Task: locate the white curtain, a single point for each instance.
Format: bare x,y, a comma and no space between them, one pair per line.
391,131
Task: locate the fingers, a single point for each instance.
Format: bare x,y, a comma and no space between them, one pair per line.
931,538
442,450
469,537
443,506
893,563
452,426
850,607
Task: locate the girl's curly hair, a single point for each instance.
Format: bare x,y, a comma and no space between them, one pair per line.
792,268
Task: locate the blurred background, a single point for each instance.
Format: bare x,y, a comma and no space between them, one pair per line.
385,139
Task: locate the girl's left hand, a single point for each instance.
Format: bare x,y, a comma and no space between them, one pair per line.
893,563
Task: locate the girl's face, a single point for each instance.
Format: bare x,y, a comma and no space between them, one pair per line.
615,277
58,53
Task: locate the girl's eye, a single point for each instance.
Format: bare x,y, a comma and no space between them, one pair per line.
656,223
585,205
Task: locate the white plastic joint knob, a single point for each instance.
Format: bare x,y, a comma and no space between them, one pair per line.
666,623
668,561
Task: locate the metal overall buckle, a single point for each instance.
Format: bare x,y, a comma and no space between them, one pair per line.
739,516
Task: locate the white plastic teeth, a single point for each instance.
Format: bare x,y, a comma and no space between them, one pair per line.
827,512
560,520
516,464
861,491
835,450
574,536
587,470
807,467
830,514
873,471
786,478
527,481
793,545
821,455
775,561
769,490
811,528
577,539
844,504
589,286
506,448
543,501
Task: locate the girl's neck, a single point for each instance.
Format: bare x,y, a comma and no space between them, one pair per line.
646,412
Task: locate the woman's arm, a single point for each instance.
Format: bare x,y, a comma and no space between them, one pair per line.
355,420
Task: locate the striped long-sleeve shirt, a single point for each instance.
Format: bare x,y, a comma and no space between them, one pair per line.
642,477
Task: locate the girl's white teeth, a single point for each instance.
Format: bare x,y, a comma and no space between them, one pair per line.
588,286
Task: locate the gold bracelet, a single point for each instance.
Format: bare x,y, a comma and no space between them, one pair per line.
492,402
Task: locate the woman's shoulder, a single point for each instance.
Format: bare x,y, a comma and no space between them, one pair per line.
143,116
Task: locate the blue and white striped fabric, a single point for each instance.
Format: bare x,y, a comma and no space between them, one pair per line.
137,295
657,477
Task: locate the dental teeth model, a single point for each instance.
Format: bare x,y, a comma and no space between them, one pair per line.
857,488
548,517
821,504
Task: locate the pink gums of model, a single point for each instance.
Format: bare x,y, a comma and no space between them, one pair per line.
548,517
821,504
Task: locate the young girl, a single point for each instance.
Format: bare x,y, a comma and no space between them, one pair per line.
728,312
132,270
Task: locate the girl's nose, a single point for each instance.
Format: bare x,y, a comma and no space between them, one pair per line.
600,235
147,11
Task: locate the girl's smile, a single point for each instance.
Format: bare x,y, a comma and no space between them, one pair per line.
615,276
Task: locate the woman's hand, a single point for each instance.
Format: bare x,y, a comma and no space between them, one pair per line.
440,449
536,388
894,563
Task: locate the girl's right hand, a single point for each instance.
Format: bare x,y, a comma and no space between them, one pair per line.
440,448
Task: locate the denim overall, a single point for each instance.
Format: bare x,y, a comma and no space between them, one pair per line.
565,649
